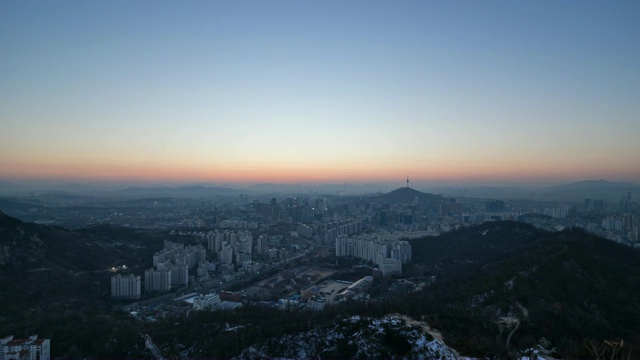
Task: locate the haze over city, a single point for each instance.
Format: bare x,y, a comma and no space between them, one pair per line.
490,92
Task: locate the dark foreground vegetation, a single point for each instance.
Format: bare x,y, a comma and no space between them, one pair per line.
492,290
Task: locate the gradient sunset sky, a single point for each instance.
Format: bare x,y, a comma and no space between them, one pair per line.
320,91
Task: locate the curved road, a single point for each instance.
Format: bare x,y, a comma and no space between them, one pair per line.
151,346
508,344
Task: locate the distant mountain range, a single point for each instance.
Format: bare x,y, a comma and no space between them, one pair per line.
594,184
185,191
578,191
324,189
485,192
595,189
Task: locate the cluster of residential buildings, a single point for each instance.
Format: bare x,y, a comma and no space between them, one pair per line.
625,224
329,232
233,247
384,249
171,267
238,224
25,349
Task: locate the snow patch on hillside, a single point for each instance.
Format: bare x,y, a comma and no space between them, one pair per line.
391,336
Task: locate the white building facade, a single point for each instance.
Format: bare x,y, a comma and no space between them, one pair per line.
31,348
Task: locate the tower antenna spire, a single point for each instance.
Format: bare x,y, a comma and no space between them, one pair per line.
407,181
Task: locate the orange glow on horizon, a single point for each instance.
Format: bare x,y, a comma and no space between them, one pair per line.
300,173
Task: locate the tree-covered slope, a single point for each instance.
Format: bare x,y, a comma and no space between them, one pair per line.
491,279
56,282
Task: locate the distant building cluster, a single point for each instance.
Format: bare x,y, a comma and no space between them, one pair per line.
305,231
626,223
561,212
25,349
384,249
171,266
238,224
329,232
233,247
494,206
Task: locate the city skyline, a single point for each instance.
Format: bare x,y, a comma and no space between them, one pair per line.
302,92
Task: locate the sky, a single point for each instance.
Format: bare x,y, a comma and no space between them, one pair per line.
474,92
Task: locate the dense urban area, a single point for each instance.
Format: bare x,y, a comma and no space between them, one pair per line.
299,252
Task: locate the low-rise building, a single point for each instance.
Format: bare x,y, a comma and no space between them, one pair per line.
316,303
31,348
206,302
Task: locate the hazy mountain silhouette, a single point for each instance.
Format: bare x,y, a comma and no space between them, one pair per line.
328,189
7,187
184,191
488,192
596,189
408,195
593,184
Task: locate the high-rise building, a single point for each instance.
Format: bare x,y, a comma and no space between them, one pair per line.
157,280
226,255
494,206
125,287
180,274
262,245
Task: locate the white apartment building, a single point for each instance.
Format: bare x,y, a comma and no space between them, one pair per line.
383,249
180,274
157,280
125,287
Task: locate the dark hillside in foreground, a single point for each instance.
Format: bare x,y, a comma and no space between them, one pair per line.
56,282
567,287
27,247
497,288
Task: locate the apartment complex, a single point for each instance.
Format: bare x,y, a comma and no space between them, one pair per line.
384,249
27,349
125,287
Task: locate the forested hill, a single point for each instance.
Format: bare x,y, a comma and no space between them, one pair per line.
55,282
408,195
27,246
568,287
